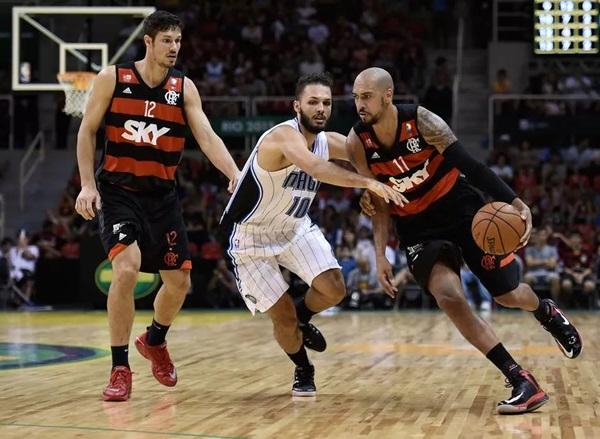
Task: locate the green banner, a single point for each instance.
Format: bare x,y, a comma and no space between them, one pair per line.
146,282
245,126
256,125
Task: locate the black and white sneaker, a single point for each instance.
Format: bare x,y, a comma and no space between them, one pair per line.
527,395
304,381
564,332
312,337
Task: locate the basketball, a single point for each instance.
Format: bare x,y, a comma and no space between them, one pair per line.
497,228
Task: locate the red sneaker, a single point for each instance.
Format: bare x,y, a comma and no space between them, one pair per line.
119,385
162,366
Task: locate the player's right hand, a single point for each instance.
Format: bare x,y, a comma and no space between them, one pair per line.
385,276
387,193
88,202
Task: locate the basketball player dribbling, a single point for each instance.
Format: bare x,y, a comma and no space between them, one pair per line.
147,106
266,224
414,151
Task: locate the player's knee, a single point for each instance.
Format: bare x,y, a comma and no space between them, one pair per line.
567,285
125,272
337,290
448,297
181,284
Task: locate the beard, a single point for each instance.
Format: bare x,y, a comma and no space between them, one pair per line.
372,119
308,124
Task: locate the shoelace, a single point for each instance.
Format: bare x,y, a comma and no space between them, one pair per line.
119,378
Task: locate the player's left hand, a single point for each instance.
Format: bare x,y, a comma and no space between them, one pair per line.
233,182
525,216
366,204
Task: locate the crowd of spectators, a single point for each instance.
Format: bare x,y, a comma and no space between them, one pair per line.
582,88
238,48
562,188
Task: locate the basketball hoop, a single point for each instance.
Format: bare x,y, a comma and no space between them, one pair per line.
77,87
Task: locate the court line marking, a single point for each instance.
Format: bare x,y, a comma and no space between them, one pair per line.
67,427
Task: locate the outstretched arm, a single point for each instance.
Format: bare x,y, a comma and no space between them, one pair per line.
293,146
337,146
209,142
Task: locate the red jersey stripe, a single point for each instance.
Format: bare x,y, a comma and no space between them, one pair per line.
164,143
137,107
412,160
440,189
139,168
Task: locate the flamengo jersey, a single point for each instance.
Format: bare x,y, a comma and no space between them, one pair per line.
145,132
411,165
270,208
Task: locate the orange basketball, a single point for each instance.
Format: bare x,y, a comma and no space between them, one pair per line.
497,228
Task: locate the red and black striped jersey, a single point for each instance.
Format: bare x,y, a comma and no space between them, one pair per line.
411,165
145,131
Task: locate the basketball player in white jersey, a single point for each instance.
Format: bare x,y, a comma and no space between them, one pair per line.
266,224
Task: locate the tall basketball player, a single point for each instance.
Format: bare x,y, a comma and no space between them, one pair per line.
147,106
267,225
414,151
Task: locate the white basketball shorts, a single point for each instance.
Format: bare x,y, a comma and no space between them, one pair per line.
259,278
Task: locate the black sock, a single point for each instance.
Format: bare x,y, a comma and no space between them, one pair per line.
304,314
542,312
156,333
120,355
503,361
300,358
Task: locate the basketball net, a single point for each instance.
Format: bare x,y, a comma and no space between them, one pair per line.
77,87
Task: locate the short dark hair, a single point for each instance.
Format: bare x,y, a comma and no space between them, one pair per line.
161,21
323,78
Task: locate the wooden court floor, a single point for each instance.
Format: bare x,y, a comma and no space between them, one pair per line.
384,375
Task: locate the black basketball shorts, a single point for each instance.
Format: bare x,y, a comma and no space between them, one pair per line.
153,220
443,234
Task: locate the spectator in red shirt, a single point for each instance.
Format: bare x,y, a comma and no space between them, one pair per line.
577,277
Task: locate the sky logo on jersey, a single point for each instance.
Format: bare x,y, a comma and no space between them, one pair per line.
138,132
301,181
406,183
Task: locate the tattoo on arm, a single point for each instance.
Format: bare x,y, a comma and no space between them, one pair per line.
434,130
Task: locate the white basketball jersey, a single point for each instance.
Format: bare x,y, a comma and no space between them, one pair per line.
272,207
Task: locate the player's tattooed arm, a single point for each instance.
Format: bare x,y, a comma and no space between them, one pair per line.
434,129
